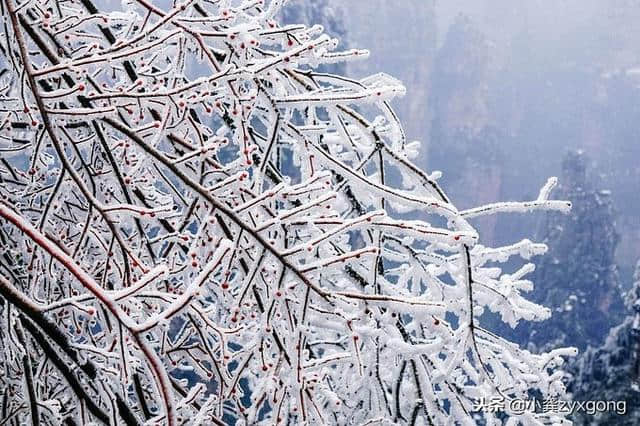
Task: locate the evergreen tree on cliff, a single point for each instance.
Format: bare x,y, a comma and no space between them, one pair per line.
579,278
611,372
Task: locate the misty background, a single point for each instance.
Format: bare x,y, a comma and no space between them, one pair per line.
517,84
503,94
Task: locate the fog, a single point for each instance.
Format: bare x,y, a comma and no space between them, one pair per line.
499,91
503,94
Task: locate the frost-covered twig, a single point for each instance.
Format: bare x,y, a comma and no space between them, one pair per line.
208,228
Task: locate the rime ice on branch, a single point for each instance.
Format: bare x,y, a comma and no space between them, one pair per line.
197,227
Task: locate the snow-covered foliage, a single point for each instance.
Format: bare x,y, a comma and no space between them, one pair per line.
578,279
199,228
611,371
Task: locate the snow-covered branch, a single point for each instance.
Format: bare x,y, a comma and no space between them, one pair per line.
209,229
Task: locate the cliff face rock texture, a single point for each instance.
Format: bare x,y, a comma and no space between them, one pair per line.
508,82
402,42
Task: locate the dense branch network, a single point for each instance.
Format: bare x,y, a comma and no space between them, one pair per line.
198,227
